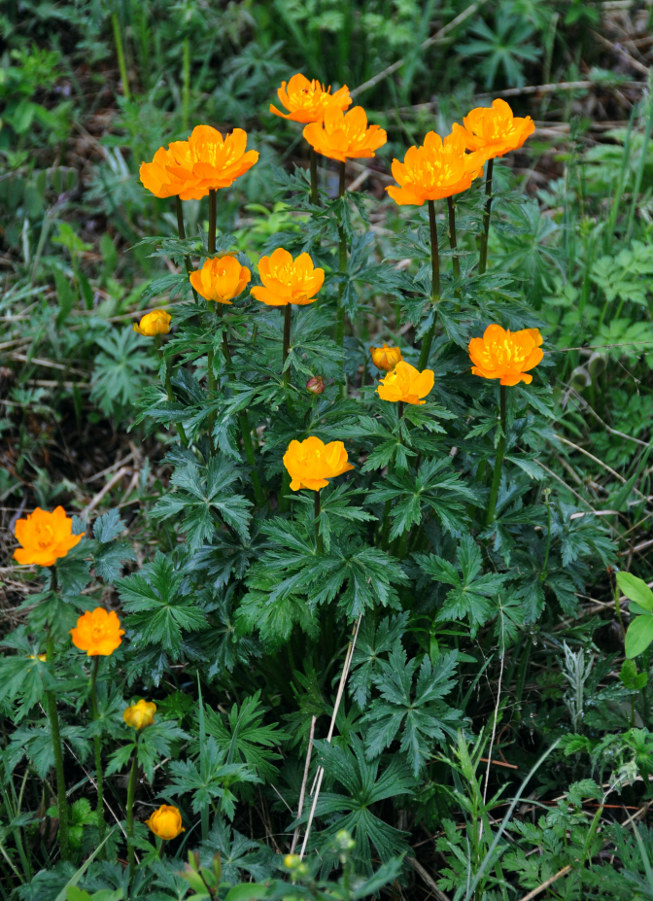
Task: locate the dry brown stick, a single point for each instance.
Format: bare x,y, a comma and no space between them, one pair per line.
428,879
302,791
107,488
548,882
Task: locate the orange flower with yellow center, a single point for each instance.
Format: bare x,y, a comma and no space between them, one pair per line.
140,715
494,131
306,101
434,170
220,279
287,280
97,632
156,322
406,384
341,136
501,354
45,537
311,463
385,357
158,176
165,822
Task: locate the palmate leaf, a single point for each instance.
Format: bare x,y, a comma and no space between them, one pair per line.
160,610
373,643
363,786
362,578
418,714
109,556
202,494
244,737
238,854
473,596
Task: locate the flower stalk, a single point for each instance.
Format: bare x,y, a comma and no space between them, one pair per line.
501,449
168,386
181,228
314,189
342,263
97,743
482,262
316,520
131,794
57,750
120,53
435,283
286,344
213,220
452,236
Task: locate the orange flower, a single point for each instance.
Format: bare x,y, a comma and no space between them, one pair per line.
494,131
342,136
505,355
311,463
140,715
97,632
156,322
406,384
307,100
206,161
385,357
158,178
287,280
436,169
165,822
220,279
45,537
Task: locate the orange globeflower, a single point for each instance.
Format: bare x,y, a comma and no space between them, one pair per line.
342,136
156,322
97,632
213,161
494,131
386,357
140,715
311,463
45,537
406,384
287,280
505,355
158,177
165,822
434,170
220,279
307,100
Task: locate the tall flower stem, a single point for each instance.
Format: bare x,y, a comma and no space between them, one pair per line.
452,236
131,794
342,264
501,449
315,199
482,261
182,234
286,343
316,520
435,283
120,53
55,734
245,430
168,386
185,96
97,742
213,219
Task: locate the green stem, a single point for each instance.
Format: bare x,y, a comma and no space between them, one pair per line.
185,96
131,794
286,344
482,262
182,234
283,502
617,609
452,236
316,520
435,289
245,430
57,749
97,742
342,264
543,571
314,191
213,219
501,449
121,55
168,386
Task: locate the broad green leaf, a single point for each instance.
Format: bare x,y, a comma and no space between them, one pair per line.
639,635
636,590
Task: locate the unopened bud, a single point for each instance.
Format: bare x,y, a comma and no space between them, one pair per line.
315,385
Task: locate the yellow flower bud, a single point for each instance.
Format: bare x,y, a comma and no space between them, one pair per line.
156,322
140,715
386,357
165,822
